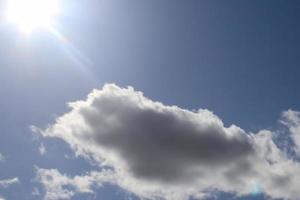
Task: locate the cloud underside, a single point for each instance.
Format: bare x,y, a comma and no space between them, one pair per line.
158,151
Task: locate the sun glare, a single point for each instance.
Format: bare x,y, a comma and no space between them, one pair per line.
28,15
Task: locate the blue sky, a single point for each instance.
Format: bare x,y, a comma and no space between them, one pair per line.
237,59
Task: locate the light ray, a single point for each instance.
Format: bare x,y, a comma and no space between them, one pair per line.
82,61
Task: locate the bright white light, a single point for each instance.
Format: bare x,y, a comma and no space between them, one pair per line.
31,14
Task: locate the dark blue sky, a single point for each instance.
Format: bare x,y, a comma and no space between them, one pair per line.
239,59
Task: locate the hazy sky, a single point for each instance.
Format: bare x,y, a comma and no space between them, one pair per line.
237,61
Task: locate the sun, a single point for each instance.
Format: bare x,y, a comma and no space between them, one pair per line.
28,15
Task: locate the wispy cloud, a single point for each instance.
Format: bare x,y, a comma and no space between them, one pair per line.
159,151
2,158
291,119
42,149
7,182
55,183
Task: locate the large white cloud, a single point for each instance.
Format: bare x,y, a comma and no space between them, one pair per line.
159,151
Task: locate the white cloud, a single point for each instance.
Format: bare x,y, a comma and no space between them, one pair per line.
55,184
42,149
61,186
2,158
7,182
159,151
291,119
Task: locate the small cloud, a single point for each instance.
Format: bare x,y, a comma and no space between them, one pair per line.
2,158
291,119
69,157
35,132
42,149
35,192
61,186
7,182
